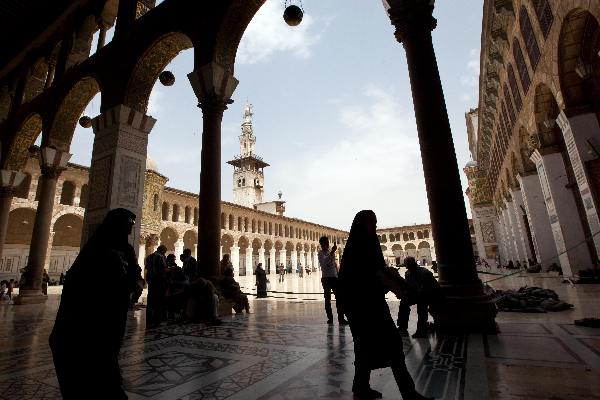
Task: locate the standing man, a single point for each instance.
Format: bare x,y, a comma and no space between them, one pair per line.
329,279
426,291
156,276
190,265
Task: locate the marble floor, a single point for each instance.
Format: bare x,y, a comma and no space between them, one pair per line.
285,350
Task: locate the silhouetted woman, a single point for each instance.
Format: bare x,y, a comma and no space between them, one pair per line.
91,320
363,283
261,281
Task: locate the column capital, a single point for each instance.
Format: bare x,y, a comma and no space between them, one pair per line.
410,17
53,161
213,86
10,180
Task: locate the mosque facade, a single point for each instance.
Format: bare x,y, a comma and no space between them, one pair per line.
252,230
534,181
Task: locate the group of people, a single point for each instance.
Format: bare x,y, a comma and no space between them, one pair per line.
6,289
359,285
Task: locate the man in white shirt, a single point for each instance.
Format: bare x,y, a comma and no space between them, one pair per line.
329,279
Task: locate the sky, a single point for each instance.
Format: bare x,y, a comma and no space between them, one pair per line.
333,111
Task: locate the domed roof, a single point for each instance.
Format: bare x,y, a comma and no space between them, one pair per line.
151,164
471,164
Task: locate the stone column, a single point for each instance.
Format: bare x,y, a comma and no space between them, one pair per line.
249,266
178,248
283,257
302,258
9,182
52,163
485,232
468,308
520,229
541,231
511,253
261,257
220,252
235,259
272,260
213,87
118,167
565,223
294,260
513,231
316,259
582,138
142,253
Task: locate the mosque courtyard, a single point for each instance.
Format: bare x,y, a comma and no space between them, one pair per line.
285,350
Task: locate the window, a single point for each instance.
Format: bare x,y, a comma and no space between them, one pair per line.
521,67
188,214
531,46
195,215
514,88
175,213
155,200
165,211
544,15
67,193
230,222
511,109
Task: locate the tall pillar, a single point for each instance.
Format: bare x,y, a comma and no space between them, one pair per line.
511,253
118,167
283,257
537,215
213,86
294,260
9,182
261,257
582,133
316,259
468,308
566,225
249,265
142,253
520,229
485,233
302,258
513,231
52,163
220,252
178,248
272,261
235,259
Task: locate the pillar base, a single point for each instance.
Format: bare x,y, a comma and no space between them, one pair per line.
465,309
28,296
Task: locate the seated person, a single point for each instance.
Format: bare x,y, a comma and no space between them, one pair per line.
202,302
230,289
426,292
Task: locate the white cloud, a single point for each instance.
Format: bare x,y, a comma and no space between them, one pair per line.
268,34
376,166
154,102
470,80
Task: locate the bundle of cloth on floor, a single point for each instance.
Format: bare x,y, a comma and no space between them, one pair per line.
529,299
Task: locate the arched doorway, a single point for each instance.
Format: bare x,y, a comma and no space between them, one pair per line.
65,244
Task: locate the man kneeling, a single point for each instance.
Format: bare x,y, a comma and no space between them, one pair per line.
426,292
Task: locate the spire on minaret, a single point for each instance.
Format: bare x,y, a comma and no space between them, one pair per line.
248,175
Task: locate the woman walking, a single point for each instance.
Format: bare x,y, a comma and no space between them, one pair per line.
363,283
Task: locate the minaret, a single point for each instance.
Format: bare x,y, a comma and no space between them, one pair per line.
248,176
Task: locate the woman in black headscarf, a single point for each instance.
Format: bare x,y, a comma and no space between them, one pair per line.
363,283
91,318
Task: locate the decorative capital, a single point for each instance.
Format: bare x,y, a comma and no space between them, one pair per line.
213,86
11,179
410,17
53,161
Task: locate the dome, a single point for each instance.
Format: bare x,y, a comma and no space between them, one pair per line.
471,164
151,165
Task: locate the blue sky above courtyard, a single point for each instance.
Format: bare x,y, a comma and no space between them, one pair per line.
333,110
